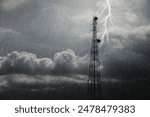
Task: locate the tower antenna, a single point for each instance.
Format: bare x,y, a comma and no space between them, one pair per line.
94,81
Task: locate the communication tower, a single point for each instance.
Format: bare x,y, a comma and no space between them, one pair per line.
94,81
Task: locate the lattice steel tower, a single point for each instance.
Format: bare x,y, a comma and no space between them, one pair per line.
94,81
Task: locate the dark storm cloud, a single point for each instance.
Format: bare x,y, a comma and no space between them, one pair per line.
19,19
41,87
126,65
65,62
128,57
44,27
33,29
51,25
37,82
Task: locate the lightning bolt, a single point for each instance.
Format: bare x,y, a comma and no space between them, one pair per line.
106,21
106,16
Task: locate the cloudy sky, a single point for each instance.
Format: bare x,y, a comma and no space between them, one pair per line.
47,42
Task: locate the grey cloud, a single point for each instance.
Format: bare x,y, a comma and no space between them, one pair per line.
53,26
128,55
65,62
126,64
10,4
44,27
37,82
47,87
54,29
11,40
129,38
68,62
23,63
